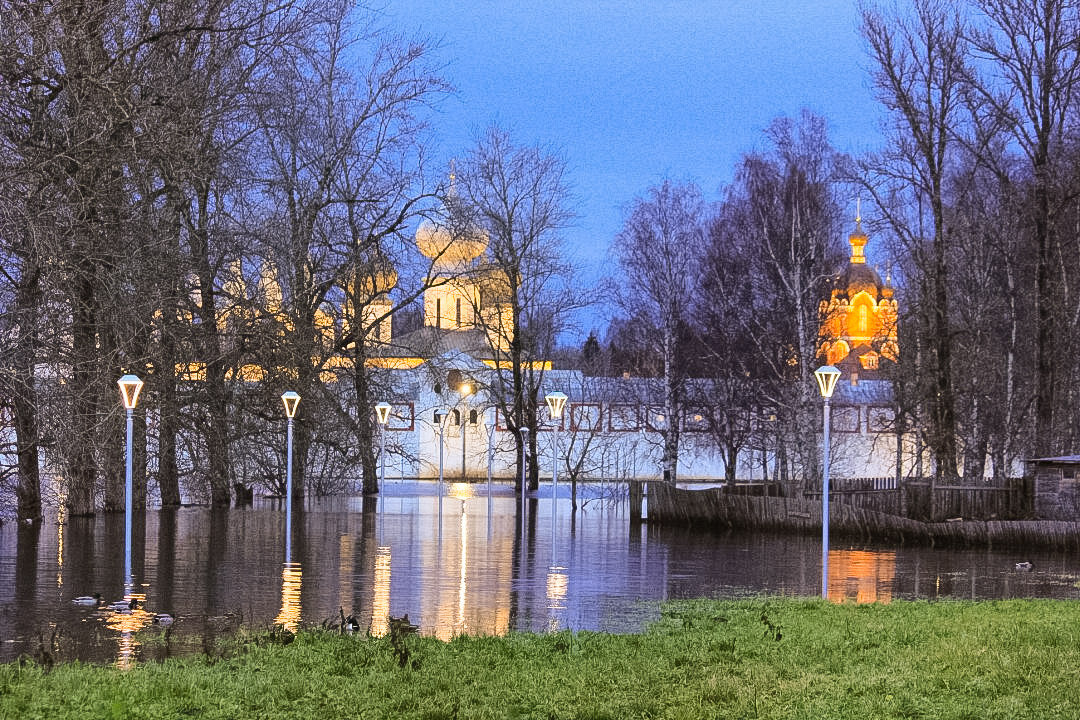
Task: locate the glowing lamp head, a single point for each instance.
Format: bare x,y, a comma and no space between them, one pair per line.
466,389
130,387
382,412
826,377
290,400
556,401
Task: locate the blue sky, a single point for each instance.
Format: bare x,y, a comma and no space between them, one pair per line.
634,92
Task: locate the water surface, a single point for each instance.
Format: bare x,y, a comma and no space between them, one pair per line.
456,563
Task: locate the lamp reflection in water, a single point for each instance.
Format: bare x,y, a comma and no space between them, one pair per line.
865,576
291,580
558,584
380,602
127,624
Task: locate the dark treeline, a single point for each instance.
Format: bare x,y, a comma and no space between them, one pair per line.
193,192
219,195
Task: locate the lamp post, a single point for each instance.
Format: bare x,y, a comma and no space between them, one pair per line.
556,401
291,400
443,413
382,414
130,387
466,390
491,445
826,377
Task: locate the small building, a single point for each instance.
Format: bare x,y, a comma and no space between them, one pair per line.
1056,487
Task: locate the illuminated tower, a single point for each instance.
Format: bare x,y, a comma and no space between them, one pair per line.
858,329
463,293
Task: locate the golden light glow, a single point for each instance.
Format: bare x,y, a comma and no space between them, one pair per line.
380,603
291,580
61,515
461,490
392,363
861,575
860,316
558,585
127,624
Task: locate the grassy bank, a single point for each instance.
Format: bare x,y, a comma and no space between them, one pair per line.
768,658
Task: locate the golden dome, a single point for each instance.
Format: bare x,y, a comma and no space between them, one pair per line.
438,242
378,279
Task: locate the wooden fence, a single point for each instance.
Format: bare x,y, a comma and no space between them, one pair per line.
1004,499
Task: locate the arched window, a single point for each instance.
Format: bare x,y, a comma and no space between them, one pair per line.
864,318
472,417
458,313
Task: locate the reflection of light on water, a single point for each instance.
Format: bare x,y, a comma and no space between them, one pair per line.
127,624
345,570
557,586
60,518
861,575
380,603
289,617
462,561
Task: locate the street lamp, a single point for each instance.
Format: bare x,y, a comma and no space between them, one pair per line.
826,377
382,414
130,387
556,401
466,390
291,400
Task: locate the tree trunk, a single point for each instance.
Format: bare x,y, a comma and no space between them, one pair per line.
82,467
24,390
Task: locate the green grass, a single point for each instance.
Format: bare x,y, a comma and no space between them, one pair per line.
766,658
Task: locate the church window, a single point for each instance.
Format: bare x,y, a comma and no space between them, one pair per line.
472,417
458,312
863,318
438,312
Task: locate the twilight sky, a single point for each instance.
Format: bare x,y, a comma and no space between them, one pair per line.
635,91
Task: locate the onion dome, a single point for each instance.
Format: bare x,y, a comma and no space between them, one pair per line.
453,239
858,276
374,278
444,245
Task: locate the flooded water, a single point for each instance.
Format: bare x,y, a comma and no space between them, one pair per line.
459,563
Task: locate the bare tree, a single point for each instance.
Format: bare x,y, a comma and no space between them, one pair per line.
520,197
341,159
659,251
919,74
781,212
1028,80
